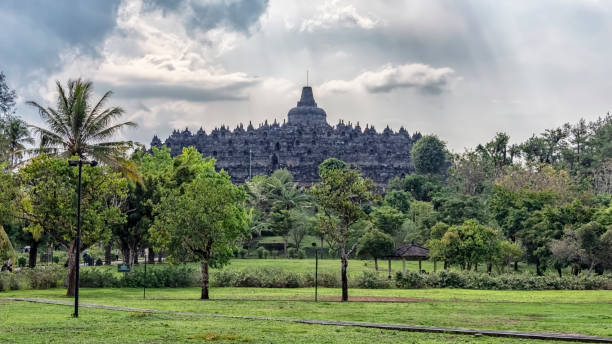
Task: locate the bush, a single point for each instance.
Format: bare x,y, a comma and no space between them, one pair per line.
301,254
242,253
371,280
474,280
162,276
262,253
98,278
11,281
45,277
22,261
258,278
292,252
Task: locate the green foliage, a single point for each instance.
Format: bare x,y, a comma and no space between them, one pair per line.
387,219
21,262
6,248
262,253
202,218
420,219
452,279
79,127
371,280
429,155
399,200
332,164
339,196
376,243
259,278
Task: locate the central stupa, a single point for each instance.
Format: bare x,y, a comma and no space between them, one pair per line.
306,112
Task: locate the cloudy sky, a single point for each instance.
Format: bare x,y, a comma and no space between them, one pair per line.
460,69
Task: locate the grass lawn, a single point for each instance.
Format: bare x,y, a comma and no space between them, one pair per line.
584,312
22,322
355,267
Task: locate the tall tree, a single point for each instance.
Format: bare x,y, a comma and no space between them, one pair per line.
429,155
15,135
340,195
202,219
47,203
79,127
7,97
376,244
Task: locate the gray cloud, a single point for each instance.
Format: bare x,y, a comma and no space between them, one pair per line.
35,33
166,91
426,79
237,15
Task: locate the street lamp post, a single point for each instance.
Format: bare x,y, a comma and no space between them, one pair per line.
80,164
316,268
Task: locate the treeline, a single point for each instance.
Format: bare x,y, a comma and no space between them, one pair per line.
545,201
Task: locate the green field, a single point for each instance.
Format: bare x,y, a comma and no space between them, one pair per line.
584,312
355,267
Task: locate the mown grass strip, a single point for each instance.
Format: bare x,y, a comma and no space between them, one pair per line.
396,327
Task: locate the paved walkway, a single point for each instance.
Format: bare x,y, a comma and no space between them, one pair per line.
397,327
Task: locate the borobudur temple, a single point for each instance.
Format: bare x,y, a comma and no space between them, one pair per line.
300,144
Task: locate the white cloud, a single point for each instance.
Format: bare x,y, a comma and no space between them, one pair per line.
389,77
332,14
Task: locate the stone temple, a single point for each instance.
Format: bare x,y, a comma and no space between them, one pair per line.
300,144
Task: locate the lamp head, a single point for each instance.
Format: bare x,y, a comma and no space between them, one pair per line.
314,244
93,163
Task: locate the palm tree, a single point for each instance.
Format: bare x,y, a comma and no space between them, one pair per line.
76,127
286,200
15,135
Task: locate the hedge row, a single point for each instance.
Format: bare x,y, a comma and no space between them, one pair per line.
451,279
40,277
165,276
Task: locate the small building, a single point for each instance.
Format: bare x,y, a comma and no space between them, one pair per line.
411,252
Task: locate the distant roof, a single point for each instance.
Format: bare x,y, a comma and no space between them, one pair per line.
412,251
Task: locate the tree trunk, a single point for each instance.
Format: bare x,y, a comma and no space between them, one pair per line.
489,268
321,247
159,256
71,270
435,265
204,265
33,254
151,256
376,264
285,244
108,254
445,265
344,262
559,272
125,251
538,271
516,266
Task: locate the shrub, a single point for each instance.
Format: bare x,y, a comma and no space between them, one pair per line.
301,254
162,276
258,278
292,252
45,277
474,280
371,280
98,278
242,253
262,253
22,261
